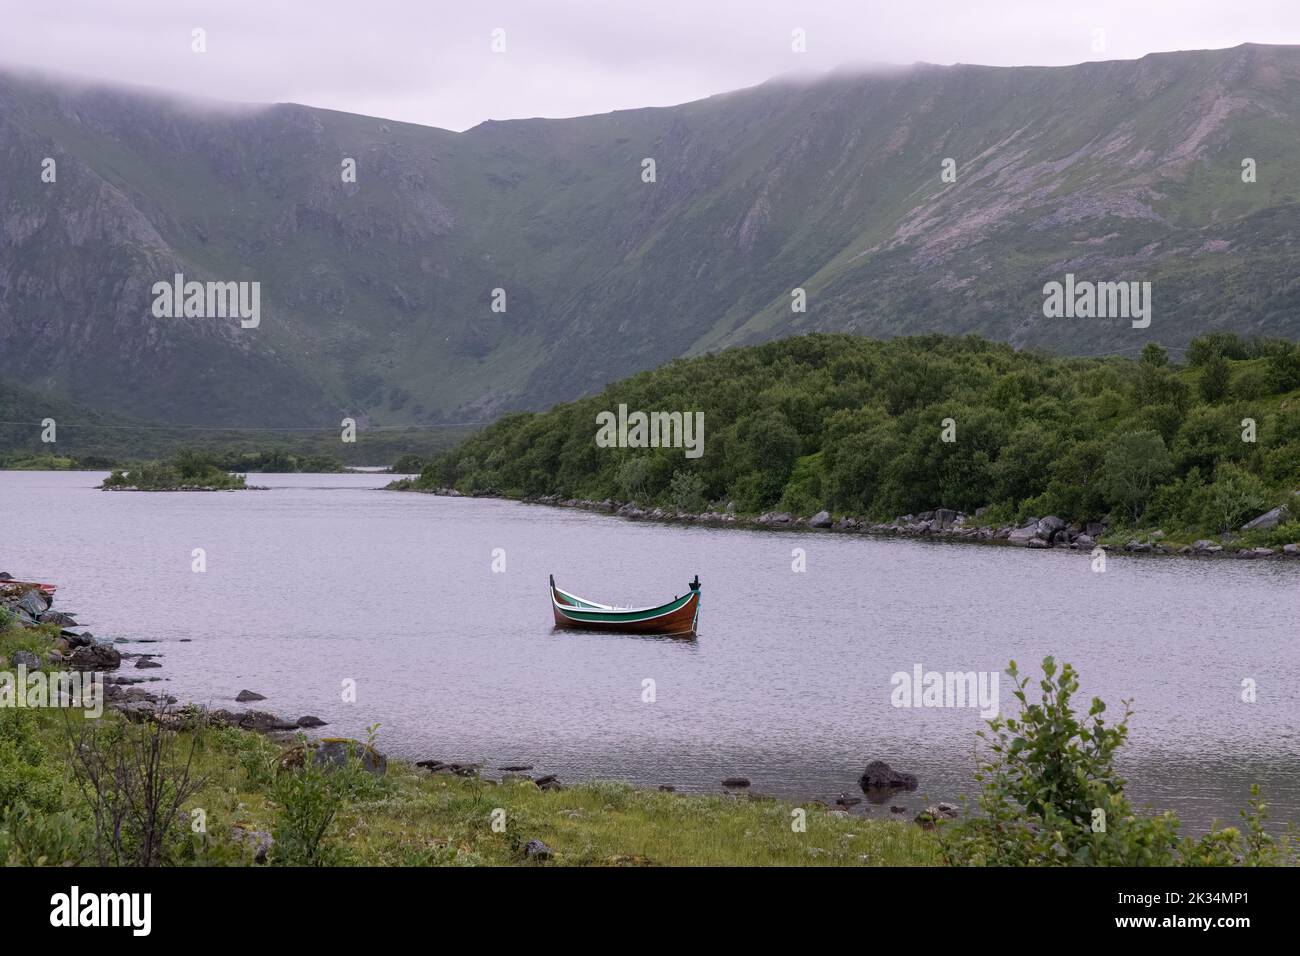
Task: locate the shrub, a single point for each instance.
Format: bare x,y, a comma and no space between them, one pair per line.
26,776
310,796
1052,797
134,780
1251,383
34,838
1136,463
1216,375
632,477
309,799
1282,371
686,491
1235,497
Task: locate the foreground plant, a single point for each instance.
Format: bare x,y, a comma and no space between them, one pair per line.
1053,797
135,781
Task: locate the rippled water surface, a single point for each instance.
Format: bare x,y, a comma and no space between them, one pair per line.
324,578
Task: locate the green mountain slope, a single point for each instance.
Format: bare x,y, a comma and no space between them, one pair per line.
376,295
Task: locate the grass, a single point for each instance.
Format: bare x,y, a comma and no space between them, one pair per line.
14,637
58,770
419,818
410,817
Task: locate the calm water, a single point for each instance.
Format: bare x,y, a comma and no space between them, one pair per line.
324,578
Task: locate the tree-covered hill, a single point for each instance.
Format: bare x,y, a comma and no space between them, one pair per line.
858,426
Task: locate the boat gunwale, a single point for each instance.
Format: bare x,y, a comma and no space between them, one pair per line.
616,615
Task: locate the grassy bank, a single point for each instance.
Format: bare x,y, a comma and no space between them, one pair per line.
186,787
245,785
411,817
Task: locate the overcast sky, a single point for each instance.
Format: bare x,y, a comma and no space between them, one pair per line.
431,61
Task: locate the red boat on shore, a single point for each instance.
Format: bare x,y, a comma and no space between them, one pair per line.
46,589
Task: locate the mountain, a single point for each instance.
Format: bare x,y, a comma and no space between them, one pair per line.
376,295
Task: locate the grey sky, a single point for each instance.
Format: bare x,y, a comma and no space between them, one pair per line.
430,61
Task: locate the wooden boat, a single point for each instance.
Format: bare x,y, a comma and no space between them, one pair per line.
676,618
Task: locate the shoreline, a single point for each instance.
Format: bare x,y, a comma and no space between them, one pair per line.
127,697
1041,534
595,821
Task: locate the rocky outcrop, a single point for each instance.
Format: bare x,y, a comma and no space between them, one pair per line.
337,751
1036,534
1025,534
1268,520
537,850
459,769
95,657
25,659
932,816
256,720
259,841
1049,527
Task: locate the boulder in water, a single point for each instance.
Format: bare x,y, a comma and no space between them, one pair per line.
95,657
878,775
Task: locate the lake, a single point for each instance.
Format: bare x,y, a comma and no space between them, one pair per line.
323,580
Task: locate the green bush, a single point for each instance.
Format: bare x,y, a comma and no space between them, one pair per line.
686,492
1282,370
309,798
27,776
1134,467
1215,378
632,480
1250,384
1235,497
40,838
1051,796
134,781
803,492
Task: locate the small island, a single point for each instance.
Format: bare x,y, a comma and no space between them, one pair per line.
188,471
